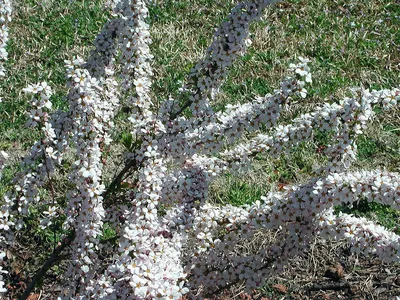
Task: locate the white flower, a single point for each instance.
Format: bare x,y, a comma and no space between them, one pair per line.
5,224
308,78
88,172
51,211
51,153
85,268
303,92
4,156
33,89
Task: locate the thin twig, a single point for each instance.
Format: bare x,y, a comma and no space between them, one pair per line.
117,180
52,196
54,257
173,116
335,286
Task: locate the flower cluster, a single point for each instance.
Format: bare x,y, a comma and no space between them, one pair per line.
169,240
90,118
345,120
3,216
230,41
134,38
5,18
37,166
185,138
297,215
41,162
3,158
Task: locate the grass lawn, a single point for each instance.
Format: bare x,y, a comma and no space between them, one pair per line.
350,43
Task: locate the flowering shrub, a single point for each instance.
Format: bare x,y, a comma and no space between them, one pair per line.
170,240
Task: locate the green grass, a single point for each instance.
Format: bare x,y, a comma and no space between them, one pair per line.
367,148
382,214
237,191
42,36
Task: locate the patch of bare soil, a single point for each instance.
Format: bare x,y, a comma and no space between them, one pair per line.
329,271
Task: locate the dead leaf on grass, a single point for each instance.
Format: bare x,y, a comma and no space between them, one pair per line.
280,288
33,297
335,273
245,296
